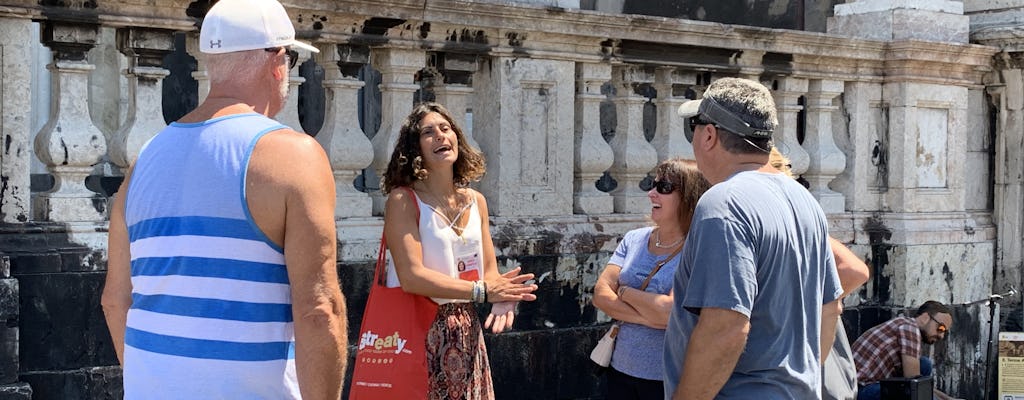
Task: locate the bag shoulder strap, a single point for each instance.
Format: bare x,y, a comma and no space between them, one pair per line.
379,271
657,267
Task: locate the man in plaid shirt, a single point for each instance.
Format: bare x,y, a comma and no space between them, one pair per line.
893,349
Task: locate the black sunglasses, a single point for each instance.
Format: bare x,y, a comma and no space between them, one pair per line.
293,56
663,187
694,121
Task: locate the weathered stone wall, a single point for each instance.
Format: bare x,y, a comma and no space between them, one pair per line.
917,205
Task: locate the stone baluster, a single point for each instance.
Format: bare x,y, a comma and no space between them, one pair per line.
200,75
634,156
15,116
593,154
826,160
69,144
289,114
145,49
347,146
456,89
751,65
670,135
787,102
397,68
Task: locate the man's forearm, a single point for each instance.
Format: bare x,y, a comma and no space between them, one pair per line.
321,354
712,354
829,319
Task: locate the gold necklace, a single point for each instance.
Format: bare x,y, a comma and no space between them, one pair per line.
657,241
449,213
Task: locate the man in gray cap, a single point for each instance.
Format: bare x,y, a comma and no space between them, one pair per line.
222,279
756,267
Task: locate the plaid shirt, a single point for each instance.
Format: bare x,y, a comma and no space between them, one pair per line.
878,351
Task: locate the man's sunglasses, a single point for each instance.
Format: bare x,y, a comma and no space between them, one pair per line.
293,56
694,121
940,327
663,187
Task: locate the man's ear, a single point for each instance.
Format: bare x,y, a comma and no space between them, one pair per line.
708,137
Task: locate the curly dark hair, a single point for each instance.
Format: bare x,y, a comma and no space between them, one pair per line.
406,165
690,183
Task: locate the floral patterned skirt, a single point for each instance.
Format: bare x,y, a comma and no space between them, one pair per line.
456,355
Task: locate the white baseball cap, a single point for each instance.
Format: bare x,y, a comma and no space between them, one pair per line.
239,25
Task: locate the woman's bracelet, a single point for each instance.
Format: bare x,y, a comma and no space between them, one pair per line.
479,292
622,289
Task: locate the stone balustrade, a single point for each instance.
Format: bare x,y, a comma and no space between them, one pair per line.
571,108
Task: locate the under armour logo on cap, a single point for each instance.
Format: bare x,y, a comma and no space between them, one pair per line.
240,25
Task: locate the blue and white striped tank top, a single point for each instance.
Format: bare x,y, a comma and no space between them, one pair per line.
211,305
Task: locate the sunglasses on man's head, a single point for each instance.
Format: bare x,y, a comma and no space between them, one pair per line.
293,56
661,186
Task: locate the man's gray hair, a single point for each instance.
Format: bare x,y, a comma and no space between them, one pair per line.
751,102
235,67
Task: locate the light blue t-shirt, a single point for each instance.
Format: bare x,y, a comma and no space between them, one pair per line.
638,348
758,245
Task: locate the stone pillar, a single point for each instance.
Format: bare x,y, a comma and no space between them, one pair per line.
750,63
456,89
670,135
1009,162
289,114
397,69
69,144
634,156
826,161
593,155
787,101
15,116
524,127
866,176
200,75
145,49
347,146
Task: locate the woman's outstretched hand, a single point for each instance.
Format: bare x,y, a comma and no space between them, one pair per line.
511,287
501,316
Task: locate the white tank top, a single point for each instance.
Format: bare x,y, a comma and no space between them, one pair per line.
446,251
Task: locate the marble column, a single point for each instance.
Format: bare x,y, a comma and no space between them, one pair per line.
398,67
289,114
145,49
634,156
670,132
348,148
15,114
593,155
69,144
787,101
826,160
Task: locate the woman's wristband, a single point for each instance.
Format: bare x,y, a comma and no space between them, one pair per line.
622,290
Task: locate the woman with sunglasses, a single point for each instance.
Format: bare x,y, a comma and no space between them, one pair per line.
648,255
437,232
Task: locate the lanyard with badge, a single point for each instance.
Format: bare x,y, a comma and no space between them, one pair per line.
467,259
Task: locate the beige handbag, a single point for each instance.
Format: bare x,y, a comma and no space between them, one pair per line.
602,353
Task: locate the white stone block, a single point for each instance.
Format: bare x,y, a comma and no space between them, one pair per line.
872,6
525,130
903,24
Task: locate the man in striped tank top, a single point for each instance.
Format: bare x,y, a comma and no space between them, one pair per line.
221,280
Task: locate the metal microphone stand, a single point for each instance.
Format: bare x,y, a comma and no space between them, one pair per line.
992,300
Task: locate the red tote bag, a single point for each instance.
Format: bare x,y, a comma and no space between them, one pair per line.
391,358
